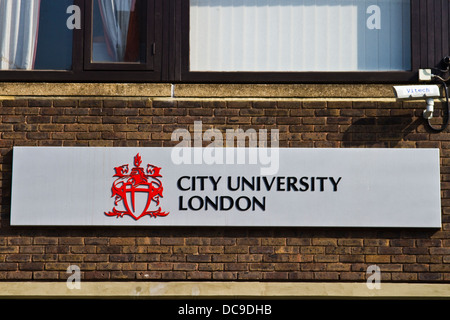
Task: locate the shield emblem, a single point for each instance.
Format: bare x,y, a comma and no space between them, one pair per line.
137,199
137,192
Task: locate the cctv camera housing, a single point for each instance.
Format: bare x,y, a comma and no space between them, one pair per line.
446,60
417,92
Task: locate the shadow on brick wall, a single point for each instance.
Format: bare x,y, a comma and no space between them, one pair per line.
384,132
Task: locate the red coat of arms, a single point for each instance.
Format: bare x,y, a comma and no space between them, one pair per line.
137,192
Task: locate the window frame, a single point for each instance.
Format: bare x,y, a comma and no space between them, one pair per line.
83,71
282,77
149,38
429,29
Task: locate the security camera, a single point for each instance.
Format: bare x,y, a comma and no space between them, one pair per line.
428,92
446,60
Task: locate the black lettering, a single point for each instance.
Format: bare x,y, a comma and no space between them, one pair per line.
291,184
321,179
335,183
261,205
179,183
230,187
258,183
280,182
200,203
240,207
266,183
251,184
180,204
230,203
305,185
202,182
209,202
215,182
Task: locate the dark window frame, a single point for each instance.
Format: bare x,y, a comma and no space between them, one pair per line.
282,77
83,71
429,29
120,72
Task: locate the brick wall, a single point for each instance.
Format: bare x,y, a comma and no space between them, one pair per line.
259,254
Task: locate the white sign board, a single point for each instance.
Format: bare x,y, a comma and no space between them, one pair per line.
65,186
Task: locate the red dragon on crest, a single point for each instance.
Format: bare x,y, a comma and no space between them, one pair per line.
128,185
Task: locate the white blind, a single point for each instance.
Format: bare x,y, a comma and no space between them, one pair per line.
299,35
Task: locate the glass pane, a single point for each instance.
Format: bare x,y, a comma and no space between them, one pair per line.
118,35
34,35
299,35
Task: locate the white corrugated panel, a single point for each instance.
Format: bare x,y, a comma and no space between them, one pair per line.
299,35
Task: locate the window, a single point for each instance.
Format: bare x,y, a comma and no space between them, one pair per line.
33,36
80,40
116,32
300,35
54,44
222,40
119,34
